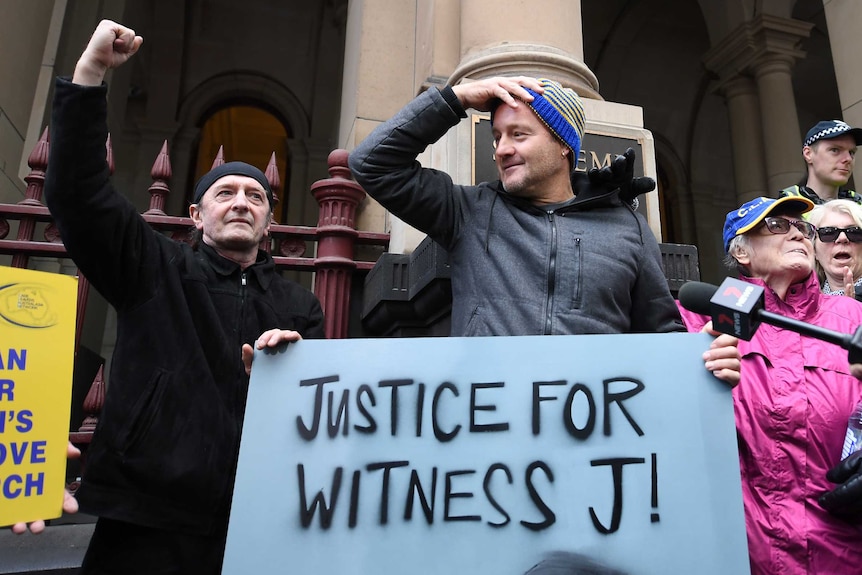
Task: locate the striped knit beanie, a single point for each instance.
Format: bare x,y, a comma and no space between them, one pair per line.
562,111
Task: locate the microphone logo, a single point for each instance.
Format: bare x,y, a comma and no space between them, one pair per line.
732,291
724,319
735,306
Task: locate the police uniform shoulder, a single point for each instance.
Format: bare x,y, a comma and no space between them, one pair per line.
850,195
789,191
803,191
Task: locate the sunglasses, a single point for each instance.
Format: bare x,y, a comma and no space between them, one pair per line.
782,226
830,234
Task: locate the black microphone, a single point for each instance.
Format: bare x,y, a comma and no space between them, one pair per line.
736,308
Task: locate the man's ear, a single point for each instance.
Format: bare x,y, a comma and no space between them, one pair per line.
195,215
566,153
807,152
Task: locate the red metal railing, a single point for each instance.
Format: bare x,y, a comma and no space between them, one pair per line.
335,239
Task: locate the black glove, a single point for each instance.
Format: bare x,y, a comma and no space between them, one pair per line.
846,499
621,174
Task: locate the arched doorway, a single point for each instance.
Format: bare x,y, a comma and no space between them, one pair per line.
247,134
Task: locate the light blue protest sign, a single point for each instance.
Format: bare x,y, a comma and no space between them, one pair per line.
486,456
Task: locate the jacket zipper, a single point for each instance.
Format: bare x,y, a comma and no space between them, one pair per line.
552,264
243,283
579,272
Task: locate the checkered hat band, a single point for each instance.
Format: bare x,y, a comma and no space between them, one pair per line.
827,133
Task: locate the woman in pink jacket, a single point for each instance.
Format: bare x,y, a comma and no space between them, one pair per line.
793,399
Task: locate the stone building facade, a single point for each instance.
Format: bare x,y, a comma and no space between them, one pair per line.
717,93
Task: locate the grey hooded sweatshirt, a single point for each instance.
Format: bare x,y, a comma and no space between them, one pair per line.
590,265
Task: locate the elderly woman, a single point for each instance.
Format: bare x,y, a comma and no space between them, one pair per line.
793,399
838,247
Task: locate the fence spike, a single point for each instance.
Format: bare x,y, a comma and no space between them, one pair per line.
273,178
219,159
109,154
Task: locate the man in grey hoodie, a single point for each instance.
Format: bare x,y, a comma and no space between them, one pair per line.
541,251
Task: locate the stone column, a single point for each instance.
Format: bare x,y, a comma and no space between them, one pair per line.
776,42
766,141
782,138
546,41
748,157
47,72
844,19
380,38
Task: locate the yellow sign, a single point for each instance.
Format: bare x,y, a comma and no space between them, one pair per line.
37,338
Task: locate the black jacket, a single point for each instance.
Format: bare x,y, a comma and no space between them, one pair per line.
165,450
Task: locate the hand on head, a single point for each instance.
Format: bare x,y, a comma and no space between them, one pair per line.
482,94
110,46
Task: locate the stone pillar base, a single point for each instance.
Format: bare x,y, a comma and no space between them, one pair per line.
538,60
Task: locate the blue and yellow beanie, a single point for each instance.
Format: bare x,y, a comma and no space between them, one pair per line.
562,111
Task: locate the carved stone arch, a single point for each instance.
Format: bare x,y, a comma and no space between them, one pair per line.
239,86
236,87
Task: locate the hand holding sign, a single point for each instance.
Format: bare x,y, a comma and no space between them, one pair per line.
70,504
270,341
722,359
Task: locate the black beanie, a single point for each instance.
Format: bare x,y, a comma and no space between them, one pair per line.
232,169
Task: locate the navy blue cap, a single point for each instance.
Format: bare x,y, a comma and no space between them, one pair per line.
828,129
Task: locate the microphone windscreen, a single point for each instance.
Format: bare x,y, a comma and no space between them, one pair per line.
695,296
